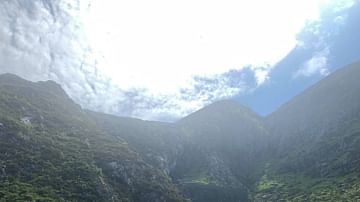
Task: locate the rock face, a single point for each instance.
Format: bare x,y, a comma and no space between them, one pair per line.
52,149
26,120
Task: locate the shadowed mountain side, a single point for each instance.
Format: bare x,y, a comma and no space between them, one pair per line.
323,108
227,143
317,136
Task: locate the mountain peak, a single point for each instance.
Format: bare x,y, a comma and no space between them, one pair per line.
9,75
224,107
9,78
220,111
52,87
227,103
48,86
320,104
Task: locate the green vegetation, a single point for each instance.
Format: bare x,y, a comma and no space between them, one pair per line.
303,188
53,150
202,180
50,150
317,141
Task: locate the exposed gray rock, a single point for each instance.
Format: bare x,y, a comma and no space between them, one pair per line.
121,172
26,120
220,172
2,171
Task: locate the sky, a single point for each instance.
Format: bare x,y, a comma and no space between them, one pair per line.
164,59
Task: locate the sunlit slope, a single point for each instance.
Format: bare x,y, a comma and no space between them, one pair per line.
50,150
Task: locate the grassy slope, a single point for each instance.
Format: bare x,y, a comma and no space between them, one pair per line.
327,172
318,139
69,154
62,156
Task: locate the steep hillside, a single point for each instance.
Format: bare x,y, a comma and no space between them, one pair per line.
210,154
226,145
322,108
158,143
53,150
318,139
50,150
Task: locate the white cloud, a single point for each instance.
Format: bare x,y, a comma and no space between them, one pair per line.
340,20
169,42
336,6
316,27
261,74
150,59
318,64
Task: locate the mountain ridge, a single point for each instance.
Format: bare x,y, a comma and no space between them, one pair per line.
305,151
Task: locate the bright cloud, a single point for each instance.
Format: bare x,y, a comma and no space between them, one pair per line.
158,59
169,42
318,64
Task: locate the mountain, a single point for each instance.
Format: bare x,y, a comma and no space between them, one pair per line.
53,150
317,136
225,143
198,152
329,104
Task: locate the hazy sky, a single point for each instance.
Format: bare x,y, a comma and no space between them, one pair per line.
163,59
